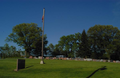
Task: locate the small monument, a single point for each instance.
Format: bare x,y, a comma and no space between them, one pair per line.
0,55
20,64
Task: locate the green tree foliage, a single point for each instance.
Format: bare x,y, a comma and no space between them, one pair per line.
116,47
84,48
29,36
57,50
68,45
100,42
9,51
101,39
50,48
38,46
54,50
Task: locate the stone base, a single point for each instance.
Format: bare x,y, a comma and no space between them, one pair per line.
15,70
42,62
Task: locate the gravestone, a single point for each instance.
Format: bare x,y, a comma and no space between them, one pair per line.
20,64
0,55
31,57
117,61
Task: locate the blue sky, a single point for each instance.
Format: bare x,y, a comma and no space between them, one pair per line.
62,17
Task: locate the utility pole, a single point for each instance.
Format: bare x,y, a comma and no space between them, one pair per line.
42,62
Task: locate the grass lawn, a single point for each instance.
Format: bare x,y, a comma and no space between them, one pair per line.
59,69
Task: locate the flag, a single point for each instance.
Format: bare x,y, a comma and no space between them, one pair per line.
42,18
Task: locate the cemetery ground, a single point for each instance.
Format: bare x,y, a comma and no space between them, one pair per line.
59,69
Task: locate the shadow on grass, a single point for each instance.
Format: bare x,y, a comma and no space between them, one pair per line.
102,68
29,66
23,68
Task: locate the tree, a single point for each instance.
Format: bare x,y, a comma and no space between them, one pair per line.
116,43
69,45
28,36
101,39
6,51
84,48
50,49
9,51
13,51
38,46
110,50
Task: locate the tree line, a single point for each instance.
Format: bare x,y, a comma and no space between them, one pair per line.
10,51
99,42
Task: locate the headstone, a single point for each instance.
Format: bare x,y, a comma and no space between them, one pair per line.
101,60
0,55
35,57
67,58
108,60
31,57
104,60
20,64
54,57
40,57
117,61
94,59
114,61
82,59
47,58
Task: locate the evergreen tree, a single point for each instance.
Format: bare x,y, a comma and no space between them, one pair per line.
84,49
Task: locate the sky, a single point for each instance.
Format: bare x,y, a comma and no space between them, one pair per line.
62,17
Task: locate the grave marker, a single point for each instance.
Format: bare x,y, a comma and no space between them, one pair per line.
20,64
0,55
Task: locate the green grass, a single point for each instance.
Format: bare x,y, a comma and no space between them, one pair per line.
58,69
